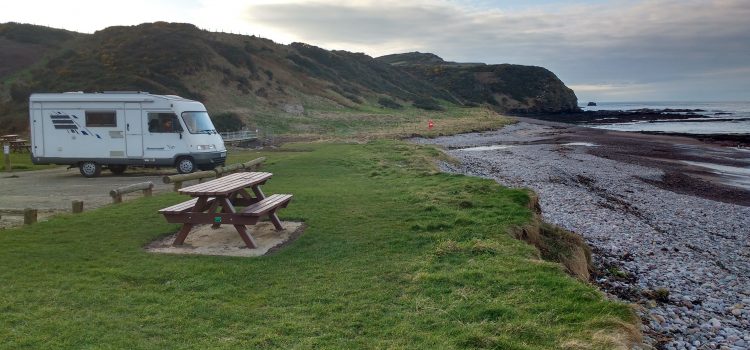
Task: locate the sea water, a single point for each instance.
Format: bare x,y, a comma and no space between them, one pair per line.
716,117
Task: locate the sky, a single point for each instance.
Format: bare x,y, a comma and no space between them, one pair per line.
605,50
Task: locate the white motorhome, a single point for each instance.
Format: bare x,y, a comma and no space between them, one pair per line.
120,129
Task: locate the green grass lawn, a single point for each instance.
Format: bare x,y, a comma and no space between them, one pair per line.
395,255
22,162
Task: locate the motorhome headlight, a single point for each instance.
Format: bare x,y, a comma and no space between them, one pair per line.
205,147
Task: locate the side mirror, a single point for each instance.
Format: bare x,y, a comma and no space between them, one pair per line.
180,135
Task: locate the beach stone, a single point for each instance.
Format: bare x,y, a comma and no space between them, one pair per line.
715,323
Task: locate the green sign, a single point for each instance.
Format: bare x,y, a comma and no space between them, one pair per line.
217,219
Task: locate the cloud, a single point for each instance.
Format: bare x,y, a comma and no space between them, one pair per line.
646,42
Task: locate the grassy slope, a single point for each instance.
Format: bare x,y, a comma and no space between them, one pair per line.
395,256
369,122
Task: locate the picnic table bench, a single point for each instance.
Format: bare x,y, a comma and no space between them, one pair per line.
215,203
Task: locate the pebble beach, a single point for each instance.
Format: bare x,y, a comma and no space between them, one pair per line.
682,257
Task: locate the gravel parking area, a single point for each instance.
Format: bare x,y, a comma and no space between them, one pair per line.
51,191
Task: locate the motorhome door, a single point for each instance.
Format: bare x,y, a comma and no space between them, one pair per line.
134,130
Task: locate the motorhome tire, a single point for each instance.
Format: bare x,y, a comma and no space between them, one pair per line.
185,165
90,169
117,169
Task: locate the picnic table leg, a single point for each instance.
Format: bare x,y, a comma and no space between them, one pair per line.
227,207
258,192
185,229
245,196
182,234
275,220
246,237
212,210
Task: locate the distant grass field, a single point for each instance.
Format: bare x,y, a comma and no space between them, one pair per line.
369,122
395,255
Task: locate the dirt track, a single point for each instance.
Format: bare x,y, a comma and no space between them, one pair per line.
52,190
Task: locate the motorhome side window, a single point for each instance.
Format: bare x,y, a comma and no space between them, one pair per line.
163,122
101,118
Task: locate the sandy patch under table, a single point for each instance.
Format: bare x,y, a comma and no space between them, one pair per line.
205,240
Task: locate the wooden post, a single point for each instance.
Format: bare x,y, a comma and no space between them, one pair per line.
77,207
117,198
29,216
6,155
177,186
148,191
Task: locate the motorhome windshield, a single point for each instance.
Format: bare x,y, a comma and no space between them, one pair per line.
198,122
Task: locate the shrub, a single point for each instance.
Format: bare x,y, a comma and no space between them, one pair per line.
19,92
227,121
427,103
353,98
389,103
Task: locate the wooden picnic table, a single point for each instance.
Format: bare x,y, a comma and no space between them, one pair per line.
215,202
19,145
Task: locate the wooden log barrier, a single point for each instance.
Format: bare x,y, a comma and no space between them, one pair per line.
146,187
228,169
250,165
254,164
177,180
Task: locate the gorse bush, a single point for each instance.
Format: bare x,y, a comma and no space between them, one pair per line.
389,103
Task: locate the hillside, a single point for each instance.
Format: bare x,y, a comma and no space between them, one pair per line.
23,45
268,85
507,87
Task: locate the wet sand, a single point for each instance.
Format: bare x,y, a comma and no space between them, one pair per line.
690,165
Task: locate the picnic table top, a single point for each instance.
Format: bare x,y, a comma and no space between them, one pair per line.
227,184
9,137
18,141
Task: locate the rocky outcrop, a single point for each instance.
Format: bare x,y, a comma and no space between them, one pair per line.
507,87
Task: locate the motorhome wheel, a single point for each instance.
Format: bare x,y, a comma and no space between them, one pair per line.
185,165
90,169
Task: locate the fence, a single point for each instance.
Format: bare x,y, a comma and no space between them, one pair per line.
238,136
